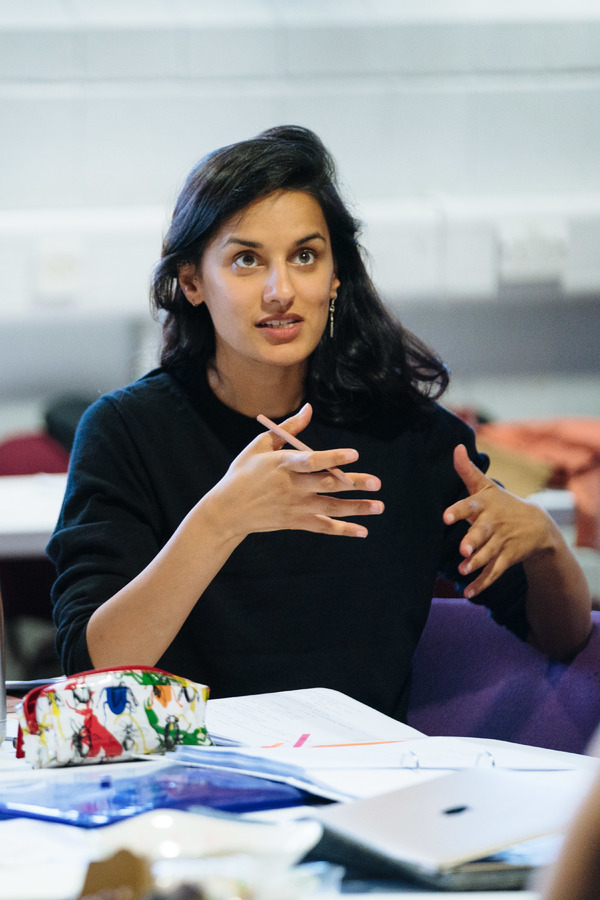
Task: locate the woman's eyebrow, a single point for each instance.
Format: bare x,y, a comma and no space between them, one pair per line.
235,240
310,237
256,245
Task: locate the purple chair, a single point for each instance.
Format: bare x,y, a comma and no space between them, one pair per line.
473,678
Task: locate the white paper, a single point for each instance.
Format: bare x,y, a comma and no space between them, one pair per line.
303,718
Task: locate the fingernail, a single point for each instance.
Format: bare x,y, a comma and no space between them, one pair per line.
449,517
371,484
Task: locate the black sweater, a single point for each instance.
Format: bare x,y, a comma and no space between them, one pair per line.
289,609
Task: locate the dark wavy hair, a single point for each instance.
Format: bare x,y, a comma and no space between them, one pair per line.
372,363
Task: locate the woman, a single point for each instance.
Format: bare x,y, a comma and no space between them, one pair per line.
193,539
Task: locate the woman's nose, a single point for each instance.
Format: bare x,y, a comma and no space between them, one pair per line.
278,286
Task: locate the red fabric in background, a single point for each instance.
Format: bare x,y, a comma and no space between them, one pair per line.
572,447
26,582
26,454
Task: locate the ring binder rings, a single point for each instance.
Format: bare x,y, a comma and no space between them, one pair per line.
479,759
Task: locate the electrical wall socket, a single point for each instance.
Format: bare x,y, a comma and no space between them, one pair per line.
532,251
60,269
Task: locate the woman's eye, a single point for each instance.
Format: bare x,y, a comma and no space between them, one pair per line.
305,257
246,260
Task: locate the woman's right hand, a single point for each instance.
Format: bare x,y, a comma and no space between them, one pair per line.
267,488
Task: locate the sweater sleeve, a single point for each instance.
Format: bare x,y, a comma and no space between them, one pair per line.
107,531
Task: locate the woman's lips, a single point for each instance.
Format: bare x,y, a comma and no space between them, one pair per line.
278,321
281,328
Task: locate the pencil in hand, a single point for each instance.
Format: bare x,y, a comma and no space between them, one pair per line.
295,442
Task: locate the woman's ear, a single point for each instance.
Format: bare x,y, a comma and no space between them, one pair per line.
335,283
189,282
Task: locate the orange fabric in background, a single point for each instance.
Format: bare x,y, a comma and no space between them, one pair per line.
572,447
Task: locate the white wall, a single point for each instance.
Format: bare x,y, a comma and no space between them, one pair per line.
468,135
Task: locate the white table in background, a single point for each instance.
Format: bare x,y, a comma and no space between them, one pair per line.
29,508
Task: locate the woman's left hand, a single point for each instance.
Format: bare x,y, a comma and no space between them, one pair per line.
505,529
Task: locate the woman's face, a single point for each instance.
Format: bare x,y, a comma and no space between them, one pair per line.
267,278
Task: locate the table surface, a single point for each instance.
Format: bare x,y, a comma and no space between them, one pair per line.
63,852
29,509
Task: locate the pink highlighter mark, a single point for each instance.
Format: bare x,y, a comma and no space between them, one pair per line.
302,740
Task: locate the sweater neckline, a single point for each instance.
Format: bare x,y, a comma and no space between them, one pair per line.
235,429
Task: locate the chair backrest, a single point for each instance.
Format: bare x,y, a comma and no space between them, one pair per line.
26,582
27,454
2,678
474,678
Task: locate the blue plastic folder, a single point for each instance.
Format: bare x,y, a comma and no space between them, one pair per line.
93,797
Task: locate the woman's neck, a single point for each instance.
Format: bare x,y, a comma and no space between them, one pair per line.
276,395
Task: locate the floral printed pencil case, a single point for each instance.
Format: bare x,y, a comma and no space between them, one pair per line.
110,715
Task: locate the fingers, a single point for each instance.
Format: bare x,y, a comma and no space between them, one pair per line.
310,462
474,480
485,579
299,421
307,460
505,530
327,509
490,562
277,487
320,510
472,476
325,525
334,507
326,515
293,425
487,546
333,519
467,510
488,542
491,559
277,436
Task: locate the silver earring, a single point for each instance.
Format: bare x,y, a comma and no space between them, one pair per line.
332,300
